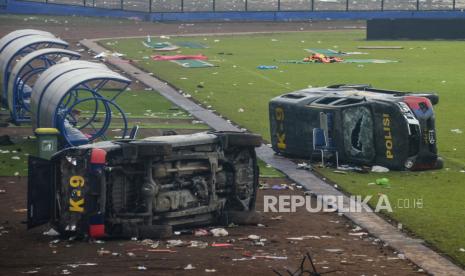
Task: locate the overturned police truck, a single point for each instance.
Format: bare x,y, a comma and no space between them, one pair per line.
357,124
146,187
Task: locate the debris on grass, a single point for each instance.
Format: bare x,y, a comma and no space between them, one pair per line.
379,169
456,130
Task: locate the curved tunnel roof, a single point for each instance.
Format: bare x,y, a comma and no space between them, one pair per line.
26,60
16,48
66,83
53,73
7,39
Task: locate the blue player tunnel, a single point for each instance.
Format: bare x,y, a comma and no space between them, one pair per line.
24,76
18,48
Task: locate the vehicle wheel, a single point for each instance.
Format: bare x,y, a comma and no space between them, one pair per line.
439,163
155,231
241,139
242,217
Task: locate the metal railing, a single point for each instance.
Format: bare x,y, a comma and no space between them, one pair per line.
264,5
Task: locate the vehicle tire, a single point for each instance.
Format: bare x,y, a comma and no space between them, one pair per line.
155,231
241,139
242,217
439,164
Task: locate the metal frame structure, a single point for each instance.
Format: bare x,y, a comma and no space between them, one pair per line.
21,47
59,93
47,85
7,39
23,76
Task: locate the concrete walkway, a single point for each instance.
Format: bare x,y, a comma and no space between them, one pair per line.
413,249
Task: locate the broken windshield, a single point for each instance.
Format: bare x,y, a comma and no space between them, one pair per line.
358,132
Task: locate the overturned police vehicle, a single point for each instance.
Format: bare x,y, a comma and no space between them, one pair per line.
357,124
146,187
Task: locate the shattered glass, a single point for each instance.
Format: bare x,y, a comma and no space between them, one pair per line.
358,133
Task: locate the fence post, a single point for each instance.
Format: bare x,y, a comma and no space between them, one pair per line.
246,5
453,5
84,2
418,5
122,5
214,5
182,5
279,5
150,6
382,5
347,5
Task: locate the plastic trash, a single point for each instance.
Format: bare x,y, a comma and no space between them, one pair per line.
253,237
222,245
382,181
267,67
201,232
198,244
219,232
379,169
189,267
51,232
174,243
334,250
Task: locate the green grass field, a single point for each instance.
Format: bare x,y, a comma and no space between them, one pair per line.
423,66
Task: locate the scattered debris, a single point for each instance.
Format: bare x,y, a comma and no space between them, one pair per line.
141,267
189,267
267,67
303,238
151,243
382,181
219,232
222,244
51,232
253,237
2,191
201,232
22,210
210,270
456,130
174,243
334,250
84,264
198,244
102,252
379,169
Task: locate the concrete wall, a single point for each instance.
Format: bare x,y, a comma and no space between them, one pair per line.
23,7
